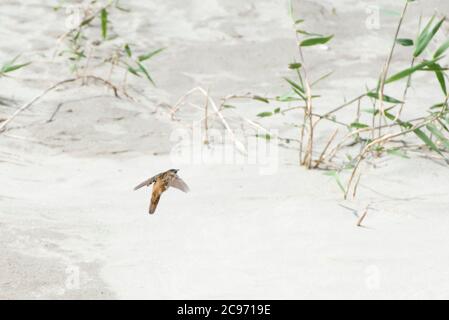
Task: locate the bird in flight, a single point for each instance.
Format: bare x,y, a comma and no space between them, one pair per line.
162,182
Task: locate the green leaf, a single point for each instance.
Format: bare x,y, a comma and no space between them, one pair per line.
405,42
437,133
150,55
264,136
145,72
10,68
386,98
309,33
424,32
277,110
228,106
128,50
443,125
104,23
296,86
288,97
441,50
437,106
133,71
315,41
442,80
426,140
259,98
426,36
265,114
408,72
434,67
87,21
359,125
295,65
404,124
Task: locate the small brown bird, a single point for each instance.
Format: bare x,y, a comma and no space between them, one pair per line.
162,182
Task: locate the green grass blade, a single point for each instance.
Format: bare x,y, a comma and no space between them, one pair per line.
386,98
259,98
359,125
295,85
288,97
265,114
150,55
441,50
10,68
442,81
315,41
437,133
87,21
407,72
306,33
104,23
145,72
426,140
294,65
128,50
426,37
405,42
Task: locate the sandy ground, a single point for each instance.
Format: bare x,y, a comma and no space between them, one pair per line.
71,226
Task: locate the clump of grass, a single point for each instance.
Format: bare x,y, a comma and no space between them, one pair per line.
84,43
431,128
379,130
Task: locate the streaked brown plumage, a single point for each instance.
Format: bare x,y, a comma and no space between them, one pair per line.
162,182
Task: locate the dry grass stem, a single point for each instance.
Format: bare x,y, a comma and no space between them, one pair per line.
362,217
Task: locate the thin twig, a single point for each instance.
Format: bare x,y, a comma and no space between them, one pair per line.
344,105
387,67
55,112
362,217
322,156
206,116
240,146
409,80
356,185
51,88
308,157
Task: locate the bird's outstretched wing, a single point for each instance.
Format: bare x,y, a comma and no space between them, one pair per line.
178,183
147,182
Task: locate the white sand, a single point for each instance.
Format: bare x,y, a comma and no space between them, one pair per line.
66,200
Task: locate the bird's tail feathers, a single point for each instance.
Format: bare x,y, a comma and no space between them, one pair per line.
154,201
